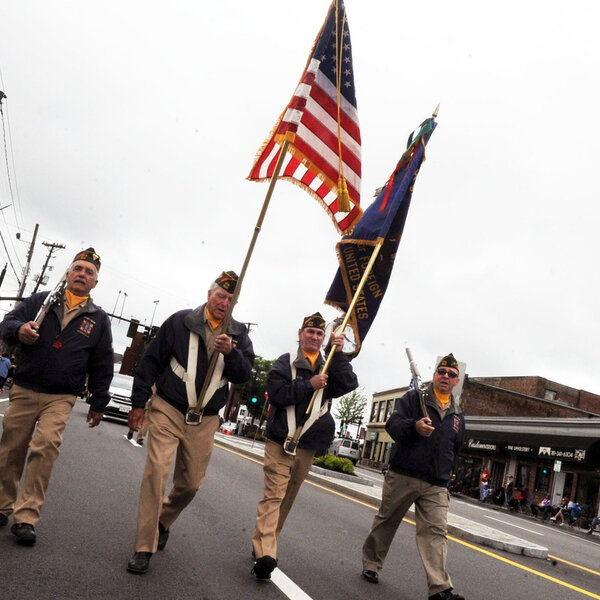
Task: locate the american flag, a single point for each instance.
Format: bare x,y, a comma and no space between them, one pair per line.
321,125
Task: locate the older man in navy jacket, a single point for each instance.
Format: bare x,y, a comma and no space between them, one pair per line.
291,383
176,363
73,340
421,465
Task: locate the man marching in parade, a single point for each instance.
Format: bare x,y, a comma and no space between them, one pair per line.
177,362
60,344
421,464
291,383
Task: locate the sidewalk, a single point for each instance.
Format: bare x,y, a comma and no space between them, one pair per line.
364,490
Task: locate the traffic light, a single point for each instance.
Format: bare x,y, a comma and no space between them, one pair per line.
254,400
133,326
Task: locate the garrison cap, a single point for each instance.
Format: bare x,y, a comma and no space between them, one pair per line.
314,320
227,280
448,361
89,255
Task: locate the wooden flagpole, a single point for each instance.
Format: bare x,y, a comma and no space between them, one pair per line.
357,294
227,319
291,443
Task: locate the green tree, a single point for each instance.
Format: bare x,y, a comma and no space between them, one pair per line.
350,408
256,387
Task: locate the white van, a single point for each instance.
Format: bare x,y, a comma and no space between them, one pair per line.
345,448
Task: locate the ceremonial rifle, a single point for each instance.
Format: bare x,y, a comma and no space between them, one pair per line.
418,383
51,298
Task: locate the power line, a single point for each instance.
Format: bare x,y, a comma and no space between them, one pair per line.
16,200
10,188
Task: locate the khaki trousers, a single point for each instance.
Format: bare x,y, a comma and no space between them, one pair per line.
284,475
20,434
194,444
431,514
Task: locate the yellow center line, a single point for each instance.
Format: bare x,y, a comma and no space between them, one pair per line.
581,567
462,542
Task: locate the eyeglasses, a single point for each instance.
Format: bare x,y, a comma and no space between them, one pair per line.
451,374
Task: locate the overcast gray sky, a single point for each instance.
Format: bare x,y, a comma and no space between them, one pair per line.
132,125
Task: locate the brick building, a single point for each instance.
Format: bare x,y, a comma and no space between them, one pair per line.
546,435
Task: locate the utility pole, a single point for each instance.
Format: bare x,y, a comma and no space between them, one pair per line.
29,255
51,247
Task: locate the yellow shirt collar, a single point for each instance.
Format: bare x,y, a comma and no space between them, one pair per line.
312,357
443,399
214,323
73,300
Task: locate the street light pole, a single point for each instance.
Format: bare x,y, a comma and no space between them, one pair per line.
115,308
123,305
153,313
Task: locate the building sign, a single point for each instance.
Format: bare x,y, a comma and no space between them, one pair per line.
481,445
519,448
573,454
568,454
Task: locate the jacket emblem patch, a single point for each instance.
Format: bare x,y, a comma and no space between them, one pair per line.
86,327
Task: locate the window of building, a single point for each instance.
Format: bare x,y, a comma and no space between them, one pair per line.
550,395
390,408
374,410
380,412
542,479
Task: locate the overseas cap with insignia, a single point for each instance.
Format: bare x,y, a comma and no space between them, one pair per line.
89,255
227,280
315,320
449,361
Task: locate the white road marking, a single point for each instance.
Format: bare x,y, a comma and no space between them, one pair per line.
287,586
132,441
517,526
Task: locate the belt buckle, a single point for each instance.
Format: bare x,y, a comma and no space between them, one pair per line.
192,417
290,445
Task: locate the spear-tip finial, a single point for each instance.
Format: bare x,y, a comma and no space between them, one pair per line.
434,114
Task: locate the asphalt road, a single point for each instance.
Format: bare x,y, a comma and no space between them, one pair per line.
88,524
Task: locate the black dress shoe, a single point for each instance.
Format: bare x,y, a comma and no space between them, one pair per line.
371,576
263,567
446,595
3,520
139,562
163,536
25,533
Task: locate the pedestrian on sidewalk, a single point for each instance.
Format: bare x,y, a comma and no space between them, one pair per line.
5,365
422,458
73,340
176,361
291,383
484,484
510,490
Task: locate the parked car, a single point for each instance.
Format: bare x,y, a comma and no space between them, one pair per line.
119,404
345,448
228,428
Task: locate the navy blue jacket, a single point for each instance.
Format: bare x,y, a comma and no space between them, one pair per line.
432,458
58,361
284,392
172,339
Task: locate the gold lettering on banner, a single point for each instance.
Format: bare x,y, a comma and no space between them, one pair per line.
355,267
